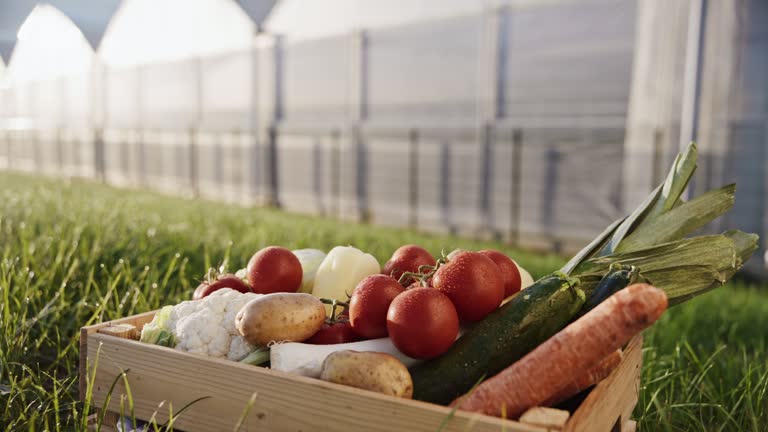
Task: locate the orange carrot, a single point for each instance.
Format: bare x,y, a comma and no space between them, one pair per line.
551,366
591,377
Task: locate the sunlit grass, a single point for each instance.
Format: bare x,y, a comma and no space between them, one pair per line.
73,254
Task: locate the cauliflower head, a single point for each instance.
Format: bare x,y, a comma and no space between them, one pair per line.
204,326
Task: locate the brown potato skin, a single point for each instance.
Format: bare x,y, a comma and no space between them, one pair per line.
280,317
372,371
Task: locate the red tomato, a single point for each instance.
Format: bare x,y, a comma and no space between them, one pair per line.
422,323
509,272
330,334
274,269
369,304
223,281
407,258
474,284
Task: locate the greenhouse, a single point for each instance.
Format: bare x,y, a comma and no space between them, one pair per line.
510,106
400,215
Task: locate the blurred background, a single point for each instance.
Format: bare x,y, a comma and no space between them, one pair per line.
535,122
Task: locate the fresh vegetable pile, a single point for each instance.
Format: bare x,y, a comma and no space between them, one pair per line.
457,329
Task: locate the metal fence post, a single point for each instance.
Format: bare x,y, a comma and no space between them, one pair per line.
413,177
765,201
98,154
267,106
141,156
335,172
276,118
692,81
516,186
494,62
359,114
254,159
194,181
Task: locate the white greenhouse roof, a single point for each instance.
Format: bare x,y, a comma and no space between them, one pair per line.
148,31
49,45
91,17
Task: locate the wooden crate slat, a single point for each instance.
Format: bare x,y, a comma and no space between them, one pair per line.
286,402
613,397
137,321
283,402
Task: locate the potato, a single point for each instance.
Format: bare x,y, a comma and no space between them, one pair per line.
373,371
278,317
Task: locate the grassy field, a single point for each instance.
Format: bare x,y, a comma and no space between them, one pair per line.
73,254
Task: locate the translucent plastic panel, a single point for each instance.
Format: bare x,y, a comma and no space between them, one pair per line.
50,102
389,178
298,171
169,94
569,183
227,91
122,97
78,96
425,71
316,79
569,60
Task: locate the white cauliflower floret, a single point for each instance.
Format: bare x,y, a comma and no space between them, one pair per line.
235,303
203,333
239,349
181,310
207,326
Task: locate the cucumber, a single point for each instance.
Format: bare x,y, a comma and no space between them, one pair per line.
503,337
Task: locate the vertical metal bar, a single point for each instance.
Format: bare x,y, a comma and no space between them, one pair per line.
549,206
486,176
692,82
495,63
317,173
98,154
501,60
516,185
59,132
359,116
361,175
413,178
657,157
104,97
194,130
272,131
335,172
99,91
272,181
142,165
765,192
445,186
256,169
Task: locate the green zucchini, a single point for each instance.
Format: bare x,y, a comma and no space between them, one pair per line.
503,337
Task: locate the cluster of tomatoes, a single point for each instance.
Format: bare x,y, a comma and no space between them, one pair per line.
419,302
270,270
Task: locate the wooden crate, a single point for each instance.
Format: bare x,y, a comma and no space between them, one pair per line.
161,378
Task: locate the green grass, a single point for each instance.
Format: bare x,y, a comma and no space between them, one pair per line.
73,254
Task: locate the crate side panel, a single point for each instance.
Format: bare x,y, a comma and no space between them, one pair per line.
614,398
281,402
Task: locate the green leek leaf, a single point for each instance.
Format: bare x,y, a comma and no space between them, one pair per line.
682,220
